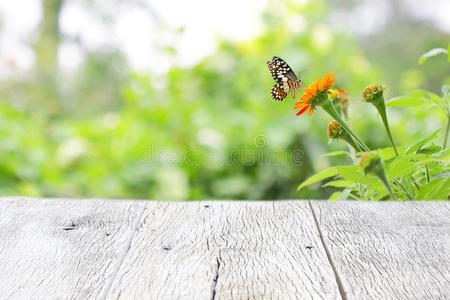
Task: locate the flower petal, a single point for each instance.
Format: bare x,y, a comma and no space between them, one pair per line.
299,105
303,110
343,92
331,80
322,84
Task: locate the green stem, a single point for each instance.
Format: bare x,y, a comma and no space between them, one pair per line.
410,197
329,108
371,163
415,183
382,111
387,185
427,173
352,150
446,133
346,137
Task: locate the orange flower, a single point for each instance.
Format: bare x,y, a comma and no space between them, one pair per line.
336,94
309,99
343,93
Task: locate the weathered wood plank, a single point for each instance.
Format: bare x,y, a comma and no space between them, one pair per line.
62,249
88,249
388,250
226,250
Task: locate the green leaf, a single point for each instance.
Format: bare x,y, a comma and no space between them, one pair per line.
336,153
431,53
388,153
418,146
344,194
354,173
444,155
419,93
437,170
441,175
410,101
401,167
335,196
340,183
438,189
418,98
433,148
425,162
318,177
351,173
433,98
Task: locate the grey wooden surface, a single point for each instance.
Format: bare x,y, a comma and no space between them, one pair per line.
128,249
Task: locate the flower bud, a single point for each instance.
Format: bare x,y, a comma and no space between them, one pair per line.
370,162
340,95
372,92
334,130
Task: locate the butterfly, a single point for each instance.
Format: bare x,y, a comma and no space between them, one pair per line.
286,79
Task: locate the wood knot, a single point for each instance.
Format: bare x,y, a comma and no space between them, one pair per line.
72,226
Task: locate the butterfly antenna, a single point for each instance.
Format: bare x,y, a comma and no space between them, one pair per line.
299,76
301,72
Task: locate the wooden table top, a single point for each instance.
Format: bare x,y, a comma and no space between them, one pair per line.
297,249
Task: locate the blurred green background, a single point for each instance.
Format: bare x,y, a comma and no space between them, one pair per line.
208,130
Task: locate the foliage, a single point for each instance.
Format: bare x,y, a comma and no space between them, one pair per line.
431,53
416,172
210,130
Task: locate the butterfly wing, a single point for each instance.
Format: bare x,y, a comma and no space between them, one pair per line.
280,70
279,91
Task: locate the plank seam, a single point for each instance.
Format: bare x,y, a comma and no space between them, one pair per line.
327,252
125,252
215,279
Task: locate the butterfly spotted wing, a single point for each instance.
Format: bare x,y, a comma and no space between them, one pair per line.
280,70
279,91
283,75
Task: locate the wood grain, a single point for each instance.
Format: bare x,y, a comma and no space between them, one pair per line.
226,250
97,249
389,250
62,249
